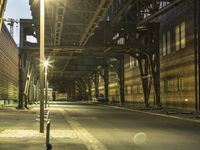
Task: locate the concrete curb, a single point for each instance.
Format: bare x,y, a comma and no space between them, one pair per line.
196,119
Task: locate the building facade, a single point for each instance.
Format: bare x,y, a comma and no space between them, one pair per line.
9,60
178,77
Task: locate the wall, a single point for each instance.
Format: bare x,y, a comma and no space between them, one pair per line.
9,66
178,67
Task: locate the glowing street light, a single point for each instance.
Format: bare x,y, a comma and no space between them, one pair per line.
46,64
42,58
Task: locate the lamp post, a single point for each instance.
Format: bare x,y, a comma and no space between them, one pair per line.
46,63
42,40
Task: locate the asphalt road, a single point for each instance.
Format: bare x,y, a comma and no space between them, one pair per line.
103,127
81,126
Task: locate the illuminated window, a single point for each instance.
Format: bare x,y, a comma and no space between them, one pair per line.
133,62
126,89
166,43
183,35
180,36
129,90
180,84
177,38
166,85
100,79
143,63
163,4
173,85
139,89
134,89
121,41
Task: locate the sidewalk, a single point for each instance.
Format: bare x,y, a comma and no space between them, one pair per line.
188,115
19,130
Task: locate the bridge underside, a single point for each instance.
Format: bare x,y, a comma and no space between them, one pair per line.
84,38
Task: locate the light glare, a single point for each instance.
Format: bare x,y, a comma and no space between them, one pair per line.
46,63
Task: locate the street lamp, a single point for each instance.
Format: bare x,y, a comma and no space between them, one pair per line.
42,58
46,64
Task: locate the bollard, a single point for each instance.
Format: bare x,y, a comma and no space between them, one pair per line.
48,115
48,145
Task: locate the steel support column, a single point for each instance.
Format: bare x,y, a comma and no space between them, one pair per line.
31,92
83,89
145,78
46,85
79,94
106,82
24,80
197,51
74,91
155,71
149,66
154,61
89,82
21,75
148,56
96,84
121,79
76,88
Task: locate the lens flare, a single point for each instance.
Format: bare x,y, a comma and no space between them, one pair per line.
139,138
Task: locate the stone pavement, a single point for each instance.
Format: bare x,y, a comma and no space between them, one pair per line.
19,130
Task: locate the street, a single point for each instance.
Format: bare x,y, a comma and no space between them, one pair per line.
84,126
110,128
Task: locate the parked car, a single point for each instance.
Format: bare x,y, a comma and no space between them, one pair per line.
100,98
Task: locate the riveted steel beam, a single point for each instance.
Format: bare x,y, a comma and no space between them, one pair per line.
100,11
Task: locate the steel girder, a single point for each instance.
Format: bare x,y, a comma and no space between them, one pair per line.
103,71
88,81
138,10
58,21
78,20
77,16
148,56
70,22
26,77
96,18
96,83
118,68
144,47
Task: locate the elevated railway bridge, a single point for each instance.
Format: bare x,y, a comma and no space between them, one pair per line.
87,39
119,49
91,40
140,55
